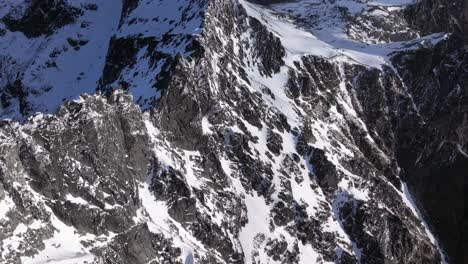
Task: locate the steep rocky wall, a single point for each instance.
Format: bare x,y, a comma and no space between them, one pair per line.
249,149
72,180
434,161
226,114
432,16
41,17
52,51
153,40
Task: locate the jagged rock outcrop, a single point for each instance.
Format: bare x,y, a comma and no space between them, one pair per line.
41,17
271,132
437,179
72,180
431,16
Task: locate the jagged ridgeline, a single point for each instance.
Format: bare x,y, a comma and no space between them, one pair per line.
233,131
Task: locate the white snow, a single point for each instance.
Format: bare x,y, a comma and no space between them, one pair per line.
63,247
76,71
171,17
328,39
299,42
308,255
53,70
206,126
460,149
76,200
189,165
16,7
331,43
155,215
164,156
391,2
258,215
5,206
348,185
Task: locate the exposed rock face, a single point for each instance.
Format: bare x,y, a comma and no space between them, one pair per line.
41,17
437,177
78,173
437,79
268,2
439,16
271,132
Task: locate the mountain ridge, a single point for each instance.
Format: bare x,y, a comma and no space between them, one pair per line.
258,141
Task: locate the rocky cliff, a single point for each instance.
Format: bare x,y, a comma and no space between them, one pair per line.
232,131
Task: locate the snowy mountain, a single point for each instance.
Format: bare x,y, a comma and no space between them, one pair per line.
233,131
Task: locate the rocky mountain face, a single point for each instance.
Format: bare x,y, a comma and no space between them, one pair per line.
233,131
439,89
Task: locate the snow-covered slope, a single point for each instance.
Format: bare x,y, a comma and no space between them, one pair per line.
45,70
248,132
150,36
100,44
